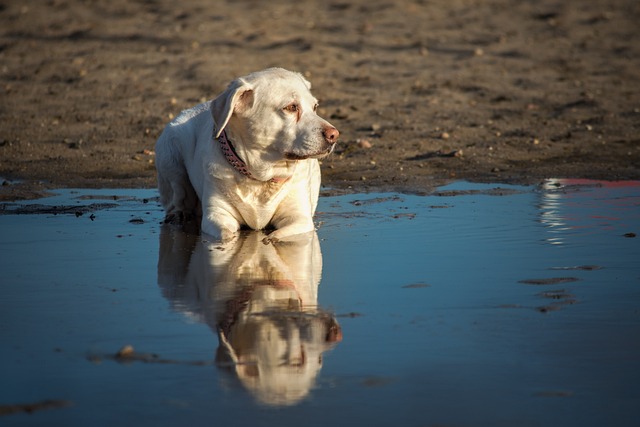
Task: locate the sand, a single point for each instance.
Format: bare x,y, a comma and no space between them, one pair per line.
421,91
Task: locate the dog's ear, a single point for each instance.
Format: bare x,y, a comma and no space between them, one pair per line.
237,98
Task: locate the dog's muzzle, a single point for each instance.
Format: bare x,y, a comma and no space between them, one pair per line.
330,135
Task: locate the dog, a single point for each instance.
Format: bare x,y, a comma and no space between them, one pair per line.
261,301
248,158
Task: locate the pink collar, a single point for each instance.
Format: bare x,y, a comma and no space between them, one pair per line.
234,160
231,156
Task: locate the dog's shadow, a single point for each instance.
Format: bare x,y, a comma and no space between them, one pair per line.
262,302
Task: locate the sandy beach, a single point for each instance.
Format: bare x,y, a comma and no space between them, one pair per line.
421,91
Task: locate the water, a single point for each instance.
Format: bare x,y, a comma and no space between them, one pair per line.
478,305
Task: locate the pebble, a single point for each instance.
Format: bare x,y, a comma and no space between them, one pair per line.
126,351
363,143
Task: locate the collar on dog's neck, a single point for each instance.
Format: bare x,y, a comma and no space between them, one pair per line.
231,155
234,160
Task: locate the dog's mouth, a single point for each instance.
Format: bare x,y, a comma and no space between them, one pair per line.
317,155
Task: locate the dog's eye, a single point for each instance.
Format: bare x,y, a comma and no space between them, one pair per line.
315,108
292,108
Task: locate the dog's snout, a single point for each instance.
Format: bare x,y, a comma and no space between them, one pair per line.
331,134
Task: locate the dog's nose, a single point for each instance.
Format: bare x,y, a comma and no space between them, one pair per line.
331,134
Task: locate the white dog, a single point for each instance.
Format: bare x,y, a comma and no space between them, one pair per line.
247,158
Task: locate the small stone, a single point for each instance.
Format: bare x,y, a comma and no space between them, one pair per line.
445,135
126,351
364,143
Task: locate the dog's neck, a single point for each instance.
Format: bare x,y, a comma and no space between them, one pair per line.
232,157
234,160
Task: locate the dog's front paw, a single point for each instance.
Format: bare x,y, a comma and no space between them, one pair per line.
219,234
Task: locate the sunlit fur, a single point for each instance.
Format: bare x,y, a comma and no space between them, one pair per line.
269,117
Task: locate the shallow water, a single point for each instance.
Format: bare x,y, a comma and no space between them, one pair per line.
478,305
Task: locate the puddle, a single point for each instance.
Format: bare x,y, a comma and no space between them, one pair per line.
478,305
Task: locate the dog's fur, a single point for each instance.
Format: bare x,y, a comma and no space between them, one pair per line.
270,119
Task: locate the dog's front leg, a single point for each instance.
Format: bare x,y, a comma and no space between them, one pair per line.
299,226
294,215
294,222
219,223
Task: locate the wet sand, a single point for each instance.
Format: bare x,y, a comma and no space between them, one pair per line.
422,92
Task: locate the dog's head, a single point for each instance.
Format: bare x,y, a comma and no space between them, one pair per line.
274,112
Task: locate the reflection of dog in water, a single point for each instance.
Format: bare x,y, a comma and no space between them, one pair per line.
262,301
